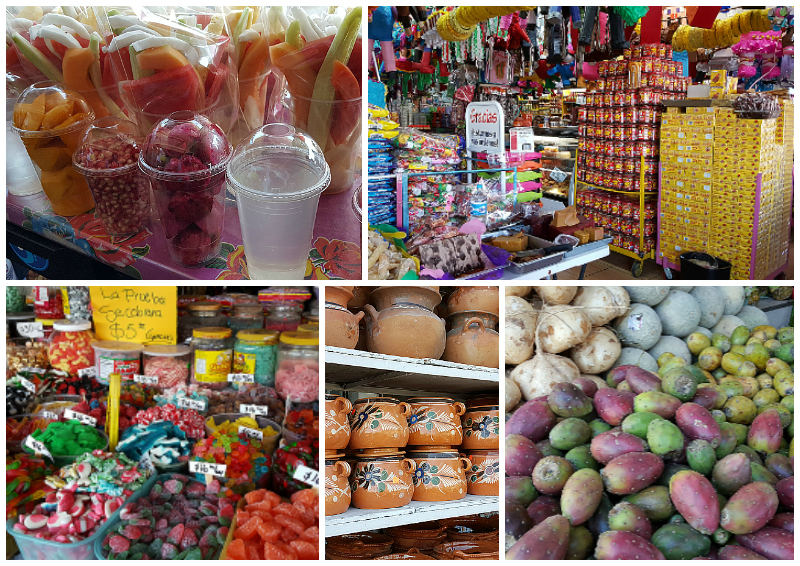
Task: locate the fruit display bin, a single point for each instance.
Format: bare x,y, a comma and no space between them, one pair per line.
33,548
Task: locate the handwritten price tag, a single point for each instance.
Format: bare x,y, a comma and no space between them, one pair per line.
146,379
251,432
87,372
49,416
40,371
206,468
184,403
255,410
241,378
37,447
307,475
85,419
146,464
29,385
30,329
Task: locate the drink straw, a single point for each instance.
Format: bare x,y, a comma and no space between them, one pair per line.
112,413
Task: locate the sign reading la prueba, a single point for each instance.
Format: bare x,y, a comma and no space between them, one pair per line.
486,130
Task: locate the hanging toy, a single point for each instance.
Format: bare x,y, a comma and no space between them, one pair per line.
381,25
459,24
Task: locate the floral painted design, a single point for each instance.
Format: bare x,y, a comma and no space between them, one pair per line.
373,478
438,476
333,491
232,262
482,428
334,259
487,472
422,475
426,419
371,416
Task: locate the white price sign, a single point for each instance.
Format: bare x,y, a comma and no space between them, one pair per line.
85,419
485,127
255,410
87,372
307,475
146,379
49,416
146,464
37,447
184,403
29,385
241,378
40,371
207,468
251,432
30,329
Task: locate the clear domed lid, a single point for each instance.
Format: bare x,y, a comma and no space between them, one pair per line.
278,162
46,106
185,145
110,145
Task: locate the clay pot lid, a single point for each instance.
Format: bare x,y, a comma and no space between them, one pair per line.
484,408
379,453
391,400
446,400
333,455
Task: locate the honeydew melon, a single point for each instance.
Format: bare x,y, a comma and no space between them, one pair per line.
674,346
712,305
734,298
752,316
727,324
636,357
648,295
640,327
679,314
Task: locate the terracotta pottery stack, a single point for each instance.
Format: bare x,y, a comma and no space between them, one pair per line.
481,446
400,322
337,471
362,546
383,477
341,325
472,322
472,528
420,536
435,433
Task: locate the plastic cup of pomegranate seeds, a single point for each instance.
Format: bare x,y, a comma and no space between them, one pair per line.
108,157
185,157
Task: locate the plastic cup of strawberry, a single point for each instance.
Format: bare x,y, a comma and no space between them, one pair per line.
185,157
71,351
108,159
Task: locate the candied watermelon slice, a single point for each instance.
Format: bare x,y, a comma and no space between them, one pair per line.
165,92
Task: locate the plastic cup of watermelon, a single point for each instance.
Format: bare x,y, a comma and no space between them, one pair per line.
277,175
185,157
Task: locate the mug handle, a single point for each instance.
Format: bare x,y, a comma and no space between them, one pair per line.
465,463
408,465
343,466
360,315
342,405
460,408
475,320
406,409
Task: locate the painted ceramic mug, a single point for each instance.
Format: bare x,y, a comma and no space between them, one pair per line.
481,428
337,422
435,421
440,474
337,487
483,475
379,422
383,480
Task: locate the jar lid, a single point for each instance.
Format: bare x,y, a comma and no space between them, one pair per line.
204,306
265,336
309,327
45,321
71,326
167,351
18,316
114,345
248,309
211,332
300,338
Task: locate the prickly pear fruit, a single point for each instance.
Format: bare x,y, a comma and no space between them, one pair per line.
631,472
622,545
586,385
518,522
709,397
783,521
700,456
664,437
785,489
637,423
680,383
654,501
641,380
581,457
728,442
548,540
580,543
581,496
694,498
658,402
697,422
679,541
772,543
544,507
779,465
765,432
617,375
630,518
533,420
609,445
760,473
568,400
570,433
521,455
736,552
613,406
551,474
732,473
749,509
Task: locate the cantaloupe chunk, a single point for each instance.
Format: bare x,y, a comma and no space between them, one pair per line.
34,114
55,99
67,190
72,119
51,158
19,114
163,58
57,115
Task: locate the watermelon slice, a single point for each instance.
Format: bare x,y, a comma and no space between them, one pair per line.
346,116
215,80
166,92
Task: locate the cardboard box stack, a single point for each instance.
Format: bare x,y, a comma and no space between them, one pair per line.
687,161
784,139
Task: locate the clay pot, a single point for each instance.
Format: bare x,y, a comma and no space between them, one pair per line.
422,536
472,528
379,422
360,297
339,296
435,421
362,546
410,332
467,551
481,428
471,341
410,554
361,345
383,480
386,297
482,401
475,299
483,475
440,474
337,422
341,327
337,487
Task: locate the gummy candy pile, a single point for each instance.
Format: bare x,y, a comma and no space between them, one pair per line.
244,457
25,483
188,420
98,410
70,438
165,442
286,460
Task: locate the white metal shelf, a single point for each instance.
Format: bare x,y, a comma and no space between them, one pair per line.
359,520
354,370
